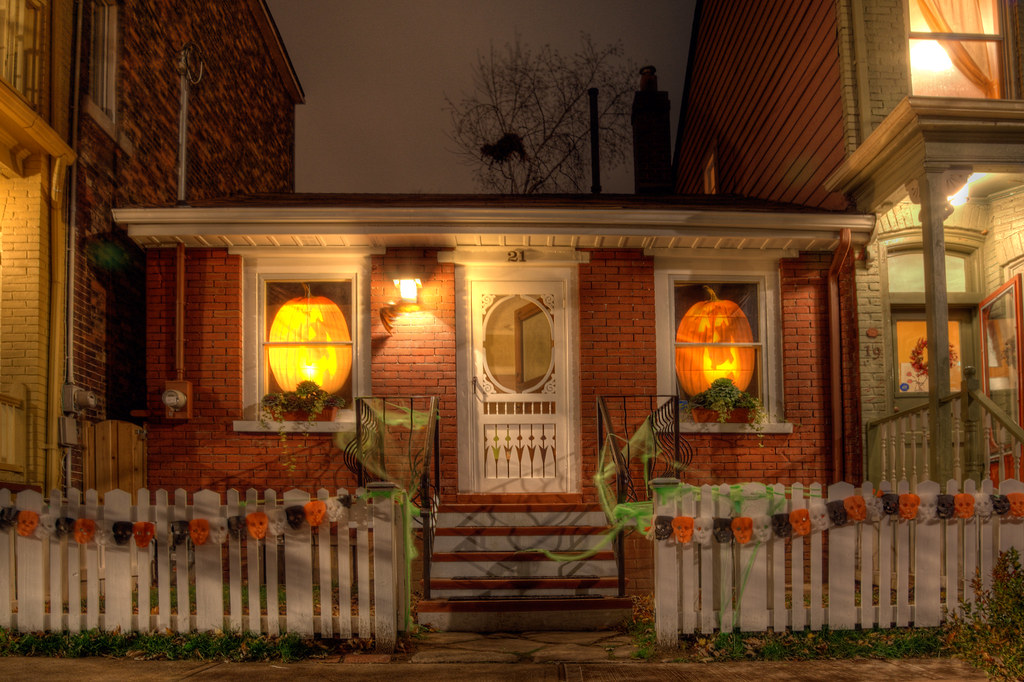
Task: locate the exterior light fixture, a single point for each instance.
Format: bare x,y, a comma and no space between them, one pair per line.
408,286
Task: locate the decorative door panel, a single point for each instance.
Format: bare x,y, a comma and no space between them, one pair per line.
519,363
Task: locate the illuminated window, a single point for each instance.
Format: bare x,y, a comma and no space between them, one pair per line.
20,43
956,48
307,335
912,356
905,271
103,62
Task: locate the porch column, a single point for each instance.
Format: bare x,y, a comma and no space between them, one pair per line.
933,188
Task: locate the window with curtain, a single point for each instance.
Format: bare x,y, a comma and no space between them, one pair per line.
956,48
20,45
103,60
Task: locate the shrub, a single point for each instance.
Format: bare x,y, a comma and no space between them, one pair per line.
987,633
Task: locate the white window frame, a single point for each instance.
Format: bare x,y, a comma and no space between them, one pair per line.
104,58
308,266
711,268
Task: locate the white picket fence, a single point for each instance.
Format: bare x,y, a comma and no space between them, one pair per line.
887,573
343,579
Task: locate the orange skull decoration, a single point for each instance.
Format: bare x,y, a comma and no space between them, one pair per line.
27,522
964,505
909,503
257,522
84,530
800,519
315,512
856,508
199,531
742,529
143,532
682,527
1016,505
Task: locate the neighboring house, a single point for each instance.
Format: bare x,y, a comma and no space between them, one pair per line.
530,310
910,111
241,101
35,82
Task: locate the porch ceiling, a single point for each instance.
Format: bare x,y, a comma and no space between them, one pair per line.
924,134
429,223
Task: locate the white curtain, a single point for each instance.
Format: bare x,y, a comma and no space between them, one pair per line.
971,58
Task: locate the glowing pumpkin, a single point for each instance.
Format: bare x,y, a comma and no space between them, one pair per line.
714,321
316,321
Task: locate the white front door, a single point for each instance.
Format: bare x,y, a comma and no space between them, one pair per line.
516,431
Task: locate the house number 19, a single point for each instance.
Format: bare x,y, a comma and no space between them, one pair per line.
517,256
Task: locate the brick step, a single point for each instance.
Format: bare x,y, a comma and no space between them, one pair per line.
517,565
519,614
477,588
518,515
481,557
519,538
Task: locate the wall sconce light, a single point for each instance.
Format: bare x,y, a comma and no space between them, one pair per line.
408,286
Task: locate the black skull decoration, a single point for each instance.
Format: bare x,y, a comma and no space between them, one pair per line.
123,532
1000,504
723,529
945,506
662,527
781,525
296,516
345,500
890,503
837,513
63,526
179,533
8,515
236,525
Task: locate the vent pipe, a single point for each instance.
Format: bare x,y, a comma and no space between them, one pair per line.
190,68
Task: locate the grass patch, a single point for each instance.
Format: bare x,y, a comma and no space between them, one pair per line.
193,646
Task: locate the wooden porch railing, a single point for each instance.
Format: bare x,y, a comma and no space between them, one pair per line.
987,442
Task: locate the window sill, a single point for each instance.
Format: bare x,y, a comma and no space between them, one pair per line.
343,424
717,427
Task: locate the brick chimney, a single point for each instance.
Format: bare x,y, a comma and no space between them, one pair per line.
652,137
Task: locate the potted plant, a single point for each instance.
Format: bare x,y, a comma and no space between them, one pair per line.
308,402
723,402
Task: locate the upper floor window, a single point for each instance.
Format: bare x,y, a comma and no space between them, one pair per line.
103,60
956,48
20,44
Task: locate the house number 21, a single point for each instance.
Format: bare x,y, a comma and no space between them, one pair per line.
517,256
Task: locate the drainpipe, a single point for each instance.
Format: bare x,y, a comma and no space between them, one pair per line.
842,252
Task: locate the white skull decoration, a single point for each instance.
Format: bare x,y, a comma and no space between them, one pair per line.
874,506
47,524
762,528
819,516
277,522
983,505
334,509
218,531
104,533
702,527
927,511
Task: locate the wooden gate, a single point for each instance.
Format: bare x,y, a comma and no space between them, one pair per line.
114,456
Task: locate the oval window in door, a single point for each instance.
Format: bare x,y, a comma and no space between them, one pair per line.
517,345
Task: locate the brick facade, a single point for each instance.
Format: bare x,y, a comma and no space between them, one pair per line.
240,141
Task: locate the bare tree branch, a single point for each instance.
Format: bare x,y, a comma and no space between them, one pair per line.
525,127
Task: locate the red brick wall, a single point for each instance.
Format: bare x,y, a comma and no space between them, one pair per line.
205,451
418,358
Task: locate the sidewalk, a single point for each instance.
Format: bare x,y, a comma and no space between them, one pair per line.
470,657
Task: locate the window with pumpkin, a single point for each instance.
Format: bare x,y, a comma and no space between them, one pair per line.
306,335
717,335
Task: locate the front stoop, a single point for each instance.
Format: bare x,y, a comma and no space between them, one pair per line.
486,576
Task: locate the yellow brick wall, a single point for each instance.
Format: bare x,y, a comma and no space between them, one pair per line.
24,308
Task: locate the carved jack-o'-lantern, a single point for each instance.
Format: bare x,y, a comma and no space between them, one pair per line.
682,527
714,321
908,506
84,531
800,520
742,529
311,326
964,505
257,522
856,508
315,512
27,522
143,532
199,531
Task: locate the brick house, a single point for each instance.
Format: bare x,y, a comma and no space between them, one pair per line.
856,105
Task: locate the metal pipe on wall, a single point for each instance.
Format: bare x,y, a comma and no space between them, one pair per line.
839,257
